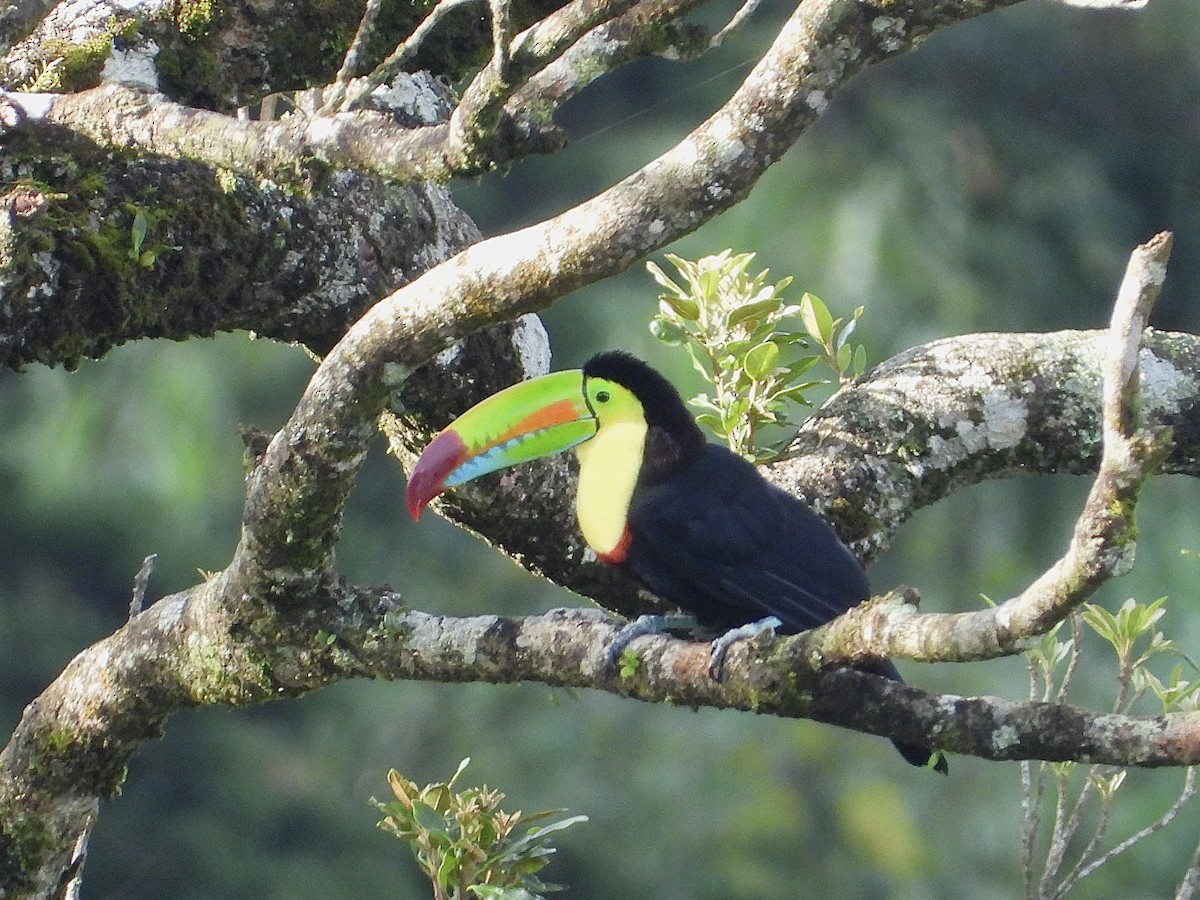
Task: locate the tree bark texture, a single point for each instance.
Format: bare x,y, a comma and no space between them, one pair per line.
326,229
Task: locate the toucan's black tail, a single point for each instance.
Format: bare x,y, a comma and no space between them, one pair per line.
913,753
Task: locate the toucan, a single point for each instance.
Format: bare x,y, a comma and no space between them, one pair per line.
692,522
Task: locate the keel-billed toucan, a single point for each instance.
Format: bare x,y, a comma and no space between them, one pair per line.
692,522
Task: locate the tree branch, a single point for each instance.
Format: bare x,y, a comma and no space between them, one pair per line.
1104,537
278,621
227,252
526,270
470,143
252,634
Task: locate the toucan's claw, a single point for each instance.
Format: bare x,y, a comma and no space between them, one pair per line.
720,647
640,627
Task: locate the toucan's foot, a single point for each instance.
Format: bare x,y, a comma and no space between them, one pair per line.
641,626
720,647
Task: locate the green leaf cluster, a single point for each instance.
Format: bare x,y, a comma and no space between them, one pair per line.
1132,633
735,329
465,843
847,360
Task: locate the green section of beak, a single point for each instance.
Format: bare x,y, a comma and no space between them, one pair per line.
535,418
529,420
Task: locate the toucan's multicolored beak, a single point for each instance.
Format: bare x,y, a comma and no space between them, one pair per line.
529,420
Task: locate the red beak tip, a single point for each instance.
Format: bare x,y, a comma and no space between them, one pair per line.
428,477
415,503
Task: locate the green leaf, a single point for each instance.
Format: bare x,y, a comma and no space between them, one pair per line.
844,356
500,892
137,234
797,393
737,410
429,819
708,282
860,360
799,367
738,348
751,312
544,830
790,338
736,266
700,365
684,307
844,334
662,278
1101,621
760,361
404,789
668,332
447,870
817,320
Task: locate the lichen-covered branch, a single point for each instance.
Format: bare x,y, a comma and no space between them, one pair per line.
1104,537
217,252
223,56
278,621
224,252
475,124
250,634
473,140
512,274
961,410
19,18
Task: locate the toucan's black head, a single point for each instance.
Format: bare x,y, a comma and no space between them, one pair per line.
661,403
673,435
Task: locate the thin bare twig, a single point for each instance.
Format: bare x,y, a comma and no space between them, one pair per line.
406,48
1072,658
1189,791
140,583
1080,870
1032,791
335,94
1191,878
744,12
1060,833
1033,788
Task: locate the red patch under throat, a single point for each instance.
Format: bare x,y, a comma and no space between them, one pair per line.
617,554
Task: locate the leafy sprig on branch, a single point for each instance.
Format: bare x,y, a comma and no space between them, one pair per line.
735,328
1132,633
466,844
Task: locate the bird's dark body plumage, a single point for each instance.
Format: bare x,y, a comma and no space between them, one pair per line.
709,534
731,548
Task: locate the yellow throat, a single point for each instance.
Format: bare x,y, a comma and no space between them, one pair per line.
608,466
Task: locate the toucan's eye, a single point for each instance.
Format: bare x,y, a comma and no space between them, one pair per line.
602,396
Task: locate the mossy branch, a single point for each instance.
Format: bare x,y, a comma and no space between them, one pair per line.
1102,543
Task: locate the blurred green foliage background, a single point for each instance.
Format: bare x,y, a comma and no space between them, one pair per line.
994,180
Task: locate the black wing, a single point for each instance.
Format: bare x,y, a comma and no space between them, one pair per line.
721,543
